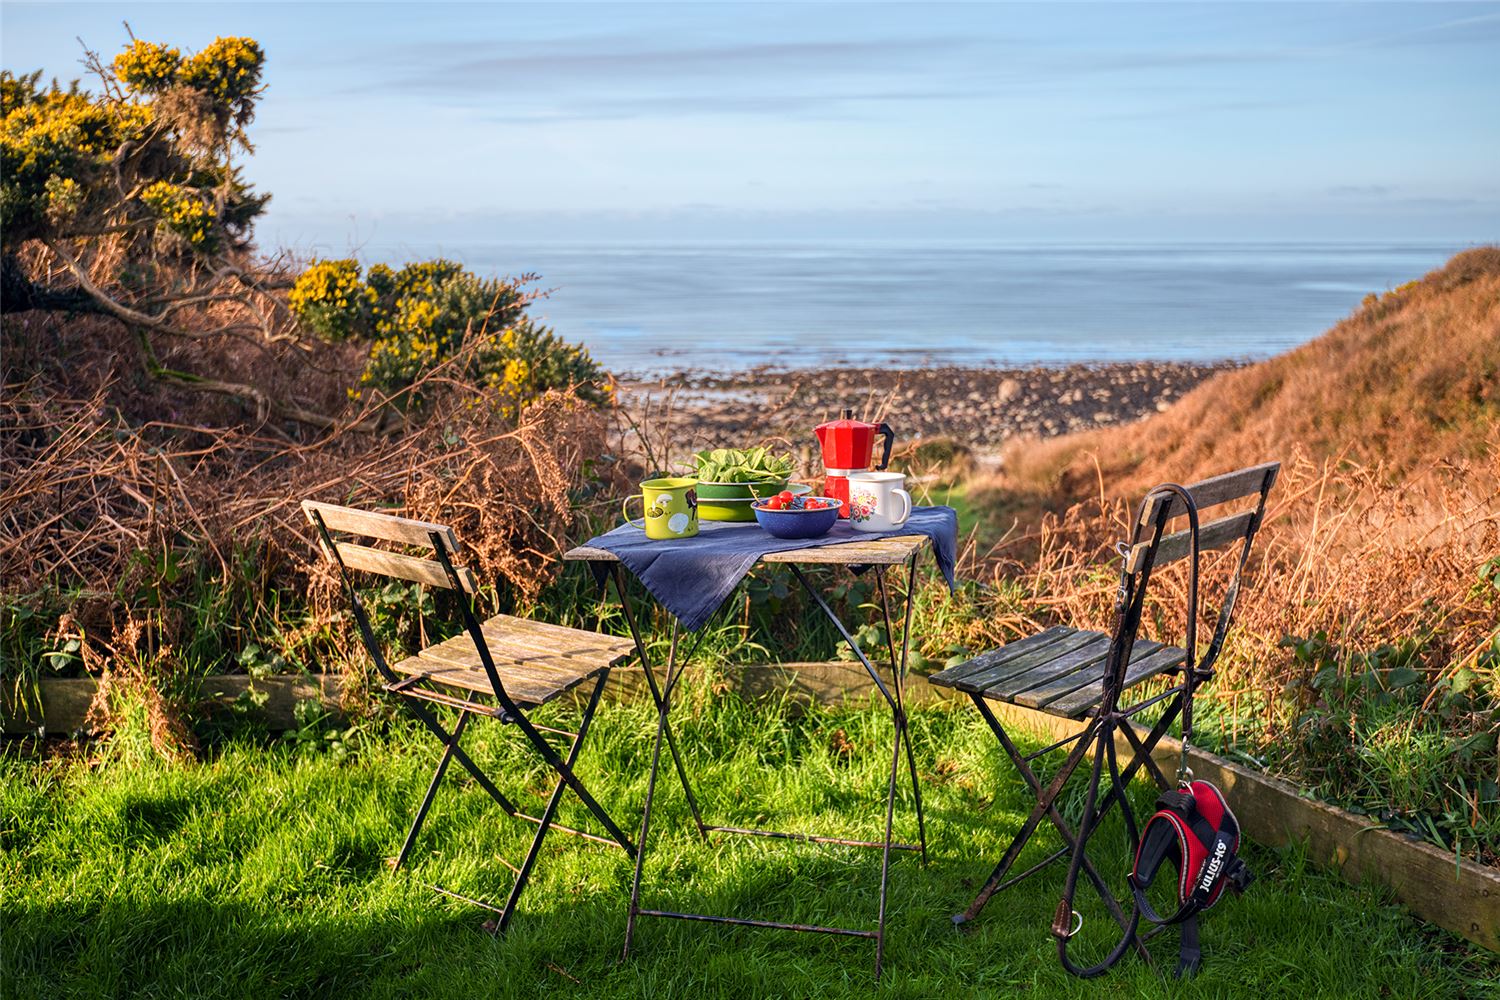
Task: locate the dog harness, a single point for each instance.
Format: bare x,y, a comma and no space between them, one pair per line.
1195,830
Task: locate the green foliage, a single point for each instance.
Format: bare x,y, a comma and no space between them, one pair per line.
428,313
734,465
1377,733
318,731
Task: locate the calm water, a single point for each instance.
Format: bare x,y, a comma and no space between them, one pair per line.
721,307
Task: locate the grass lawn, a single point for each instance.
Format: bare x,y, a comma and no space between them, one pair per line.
260,872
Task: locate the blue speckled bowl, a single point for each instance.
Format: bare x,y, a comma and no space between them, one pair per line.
797,522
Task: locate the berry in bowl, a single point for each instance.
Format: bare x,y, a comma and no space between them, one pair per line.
788,516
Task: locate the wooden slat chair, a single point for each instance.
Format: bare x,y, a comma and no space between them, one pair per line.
1080,674
501,668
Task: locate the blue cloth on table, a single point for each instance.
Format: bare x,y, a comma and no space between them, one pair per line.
691,577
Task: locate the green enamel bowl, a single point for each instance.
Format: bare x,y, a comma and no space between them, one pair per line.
740,491
738,508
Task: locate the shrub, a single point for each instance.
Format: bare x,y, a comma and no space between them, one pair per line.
127,203
425,313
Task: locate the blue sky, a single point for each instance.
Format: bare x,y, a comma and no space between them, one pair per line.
414,123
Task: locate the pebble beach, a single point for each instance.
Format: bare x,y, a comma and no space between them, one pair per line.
980,408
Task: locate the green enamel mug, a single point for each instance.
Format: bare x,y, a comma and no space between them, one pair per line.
671,508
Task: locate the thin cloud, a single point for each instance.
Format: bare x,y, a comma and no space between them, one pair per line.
1360,191
1479,28
618,78
673,106
1190,110
585,63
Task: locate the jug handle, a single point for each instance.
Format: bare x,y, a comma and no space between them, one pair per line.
884,430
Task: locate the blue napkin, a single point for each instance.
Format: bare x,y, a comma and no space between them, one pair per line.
691,577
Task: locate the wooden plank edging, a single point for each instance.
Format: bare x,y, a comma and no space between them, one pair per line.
1459,895
65,701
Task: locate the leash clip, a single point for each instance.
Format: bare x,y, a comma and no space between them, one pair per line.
1060,921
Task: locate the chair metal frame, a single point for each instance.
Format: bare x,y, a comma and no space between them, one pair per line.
505,710
1109,722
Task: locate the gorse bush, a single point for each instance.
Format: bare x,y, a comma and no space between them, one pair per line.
127,202
423,314
146,160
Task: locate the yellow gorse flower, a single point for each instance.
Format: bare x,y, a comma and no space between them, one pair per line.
147,67
182,212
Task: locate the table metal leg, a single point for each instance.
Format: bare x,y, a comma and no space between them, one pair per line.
898,676
640,854
656,696
885,854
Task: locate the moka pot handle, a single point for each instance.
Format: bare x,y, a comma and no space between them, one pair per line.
884,430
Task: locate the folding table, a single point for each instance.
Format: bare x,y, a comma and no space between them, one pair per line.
881,555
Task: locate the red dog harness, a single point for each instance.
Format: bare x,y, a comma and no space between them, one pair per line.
1195,830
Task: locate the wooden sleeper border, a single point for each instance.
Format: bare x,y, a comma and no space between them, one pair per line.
1461,896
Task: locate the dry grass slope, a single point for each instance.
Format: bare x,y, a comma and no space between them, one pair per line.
1410,379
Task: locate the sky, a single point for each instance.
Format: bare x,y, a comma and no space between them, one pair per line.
614,122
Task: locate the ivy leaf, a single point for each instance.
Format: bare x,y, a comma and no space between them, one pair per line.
1403,677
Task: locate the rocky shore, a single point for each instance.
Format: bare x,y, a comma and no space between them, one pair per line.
978,407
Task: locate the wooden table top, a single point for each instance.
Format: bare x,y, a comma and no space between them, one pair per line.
876,552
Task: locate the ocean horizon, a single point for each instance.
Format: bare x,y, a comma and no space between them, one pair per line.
651,308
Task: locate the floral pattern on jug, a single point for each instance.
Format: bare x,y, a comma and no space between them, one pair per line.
861,505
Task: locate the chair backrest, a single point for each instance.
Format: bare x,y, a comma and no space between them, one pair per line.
436,539
1151,546
1164,506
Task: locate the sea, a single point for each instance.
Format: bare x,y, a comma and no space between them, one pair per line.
655,308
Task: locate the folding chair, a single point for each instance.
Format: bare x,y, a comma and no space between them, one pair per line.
513,664
1079,674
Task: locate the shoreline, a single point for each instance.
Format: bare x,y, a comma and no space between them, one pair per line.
979,407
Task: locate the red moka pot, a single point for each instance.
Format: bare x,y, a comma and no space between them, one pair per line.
849,446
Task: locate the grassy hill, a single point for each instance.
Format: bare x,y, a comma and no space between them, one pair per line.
1410,379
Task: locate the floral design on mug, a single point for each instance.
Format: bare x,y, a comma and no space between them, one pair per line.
861,505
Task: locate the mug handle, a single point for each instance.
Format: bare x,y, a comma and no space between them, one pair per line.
906,504
626,514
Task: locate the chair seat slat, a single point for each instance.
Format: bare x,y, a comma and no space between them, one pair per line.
977,683
1058,667
504,632
953,674
1089,675
1080,701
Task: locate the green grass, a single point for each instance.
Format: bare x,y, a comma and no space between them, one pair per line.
260,872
